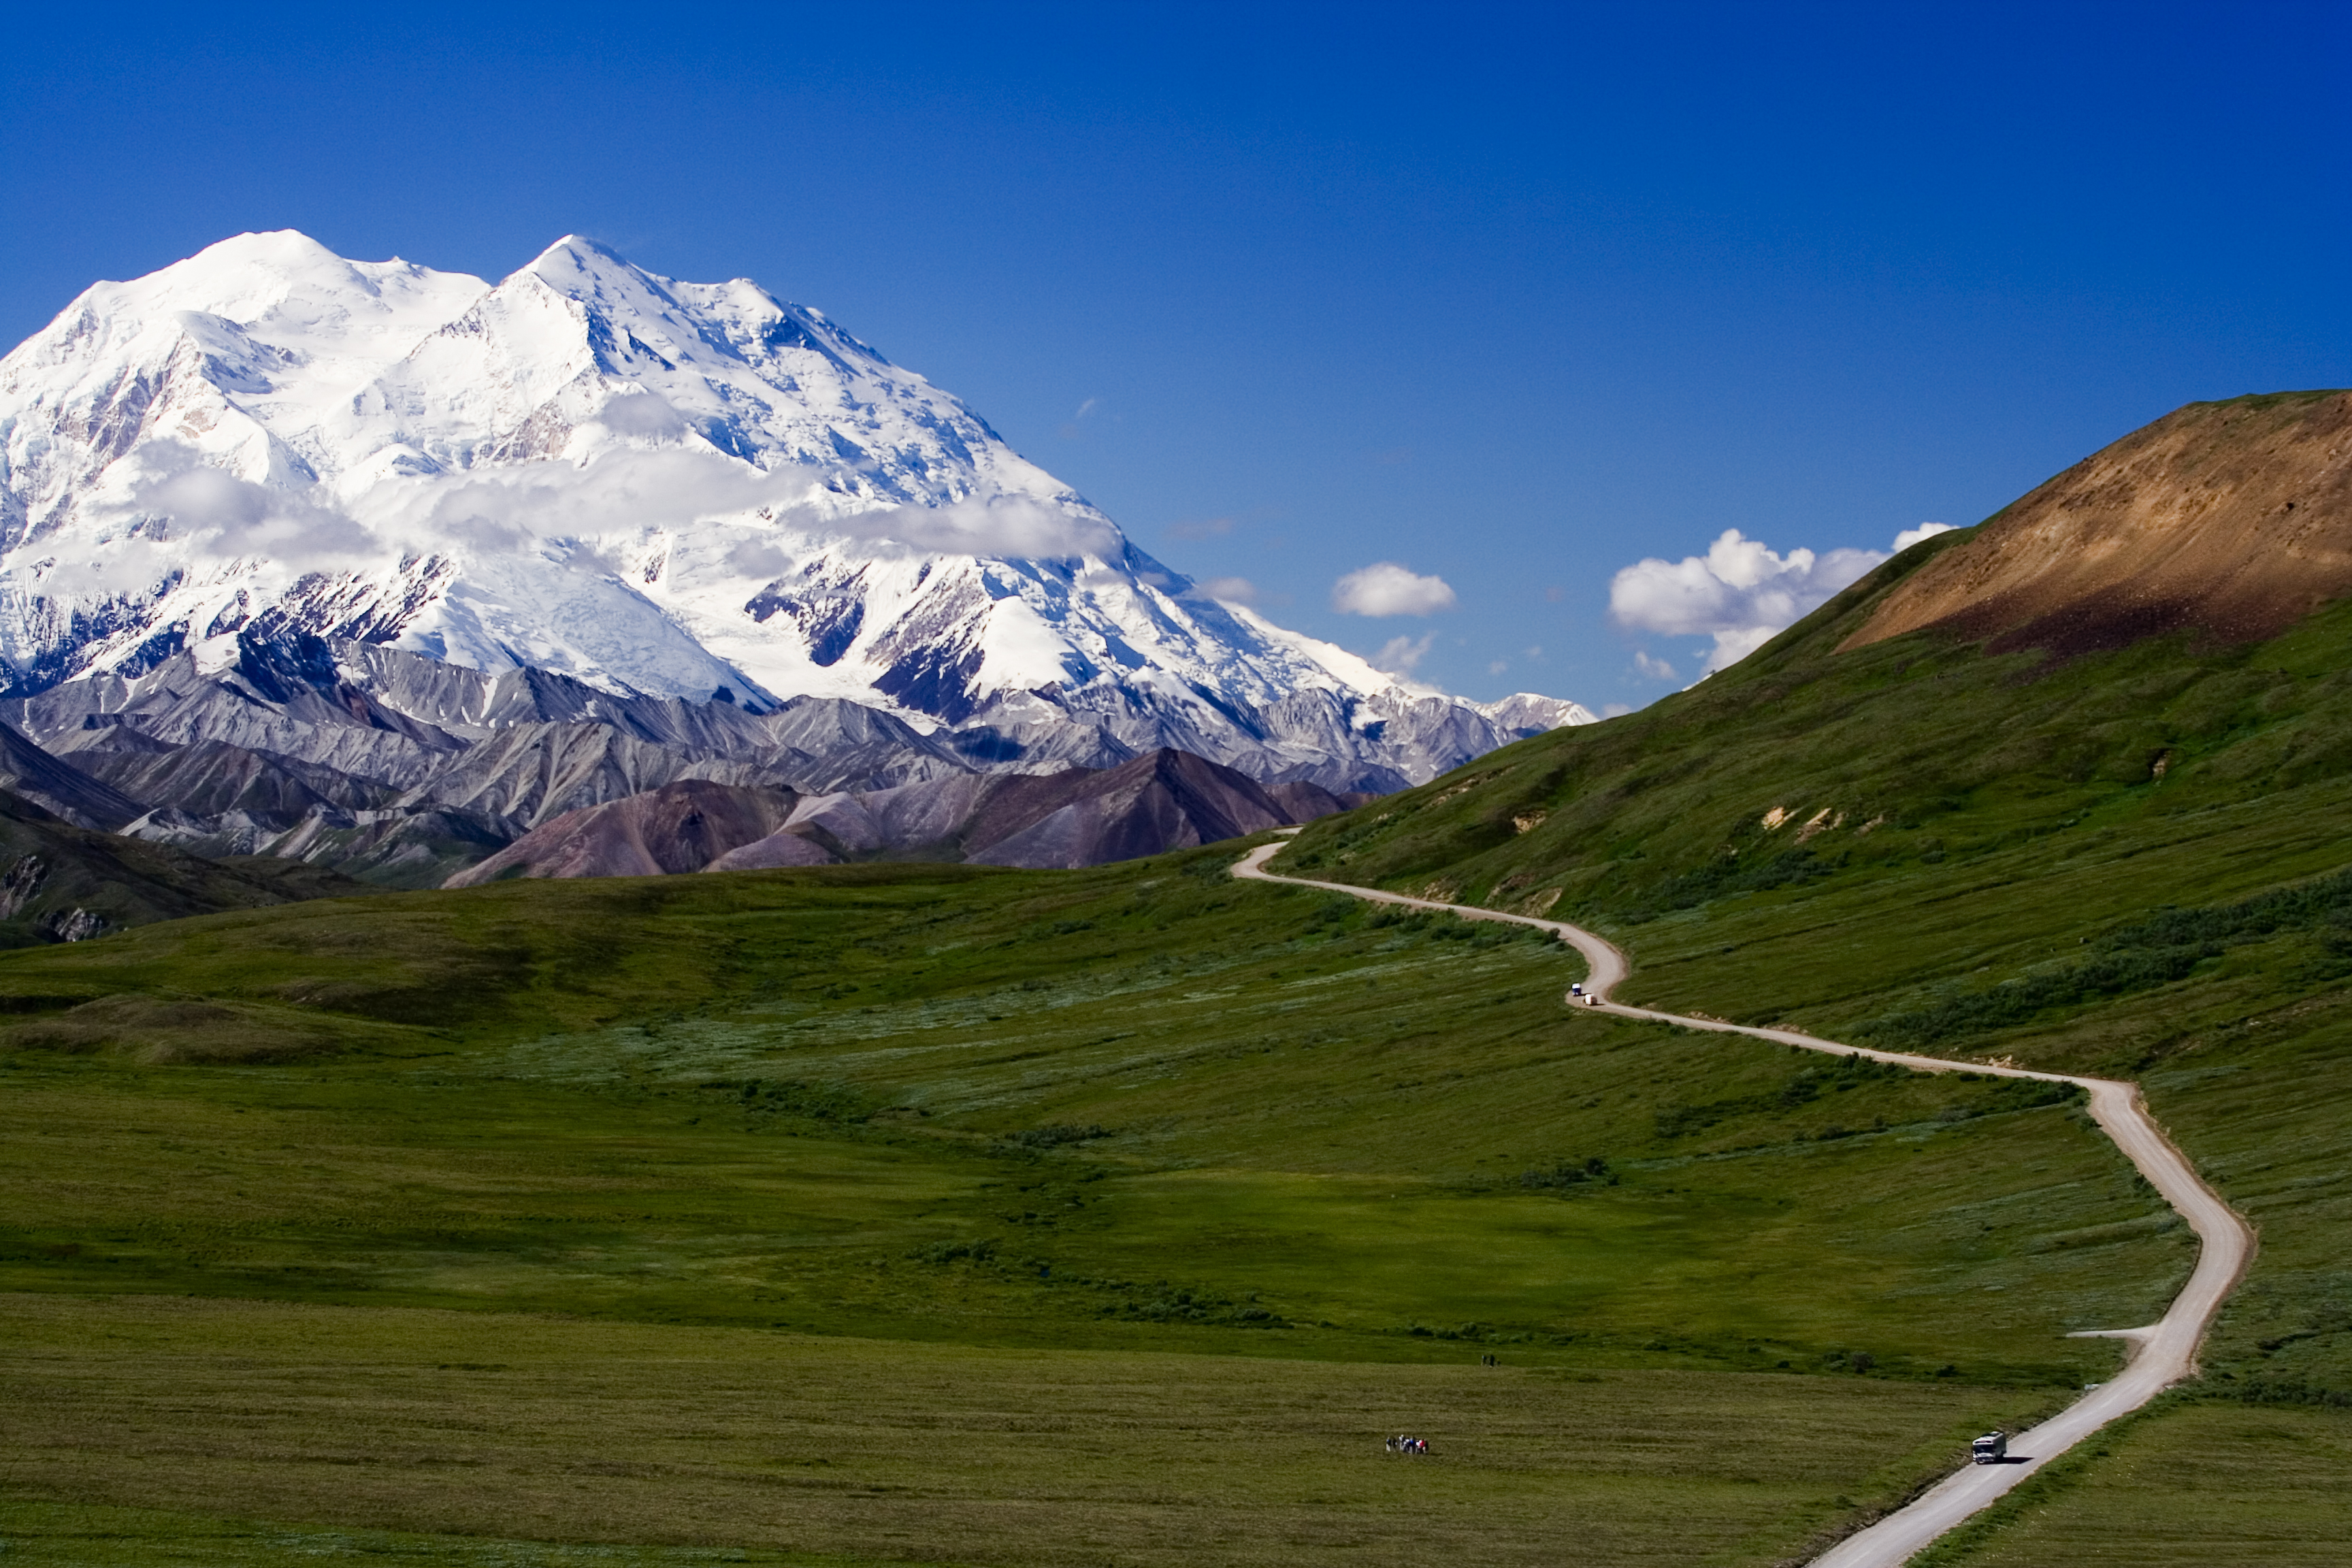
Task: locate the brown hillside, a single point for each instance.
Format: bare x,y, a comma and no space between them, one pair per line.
2231,518
681,826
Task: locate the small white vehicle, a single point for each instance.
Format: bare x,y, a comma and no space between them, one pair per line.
1576,988
1991,1449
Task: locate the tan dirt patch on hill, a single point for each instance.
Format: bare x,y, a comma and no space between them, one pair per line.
2230,519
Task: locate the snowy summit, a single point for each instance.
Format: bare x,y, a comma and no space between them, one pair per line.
658,489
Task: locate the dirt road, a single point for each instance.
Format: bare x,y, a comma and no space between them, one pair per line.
2164,1352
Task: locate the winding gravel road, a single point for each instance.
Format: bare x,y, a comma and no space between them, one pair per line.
2163,1352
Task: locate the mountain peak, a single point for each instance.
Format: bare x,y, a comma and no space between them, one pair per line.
655,488
277,249
240,279
576,255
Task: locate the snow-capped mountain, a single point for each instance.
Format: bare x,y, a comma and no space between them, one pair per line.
658,490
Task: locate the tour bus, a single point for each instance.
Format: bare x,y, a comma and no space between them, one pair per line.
1991,1449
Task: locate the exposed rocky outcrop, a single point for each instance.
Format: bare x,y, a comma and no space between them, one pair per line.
2232,520
535,773
213,778
1168,800
680,827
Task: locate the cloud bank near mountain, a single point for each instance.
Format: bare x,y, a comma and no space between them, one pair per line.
1741,593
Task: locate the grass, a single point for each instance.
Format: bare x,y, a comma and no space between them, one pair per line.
1318,1118
2203,1482
581,1434
2125,865
1164,1145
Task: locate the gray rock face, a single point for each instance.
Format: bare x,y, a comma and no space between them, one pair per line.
60,788
211,778
311,748
533,772
1167,800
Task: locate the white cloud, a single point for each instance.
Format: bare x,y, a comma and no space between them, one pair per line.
1075,426
1385,588
1739,592
1398,655
641,413
1497,666
1232,590
1655,668
179,496
1911,536
625,491
171,501
1616,710
1002,525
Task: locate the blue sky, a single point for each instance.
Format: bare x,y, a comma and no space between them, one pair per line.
1512,297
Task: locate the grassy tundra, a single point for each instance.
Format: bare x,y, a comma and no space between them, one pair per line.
2131,863
950,1215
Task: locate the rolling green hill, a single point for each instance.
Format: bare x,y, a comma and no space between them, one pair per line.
2129,862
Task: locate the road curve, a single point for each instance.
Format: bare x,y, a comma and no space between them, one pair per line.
2163,1353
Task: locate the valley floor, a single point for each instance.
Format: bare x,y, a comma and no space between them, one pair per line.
932,1213
662,1435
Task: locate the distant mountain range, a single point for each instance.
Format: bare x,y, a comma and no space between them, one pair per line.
1080,816
419,547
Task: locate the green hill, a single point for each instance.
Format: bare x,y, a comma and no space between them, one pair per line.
2129,861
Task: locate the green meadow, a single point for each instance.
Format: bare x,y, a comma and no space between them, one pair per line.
658,1444
938,1214
2130,864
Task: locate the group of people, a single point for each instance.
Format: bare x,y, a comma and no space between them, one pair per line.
1403,1445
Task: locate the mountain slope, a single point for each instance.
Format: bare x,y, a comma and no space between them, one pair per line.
58,788
60,882
658,489
681,826
1074,818
2132,862
1838,743
2223,517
